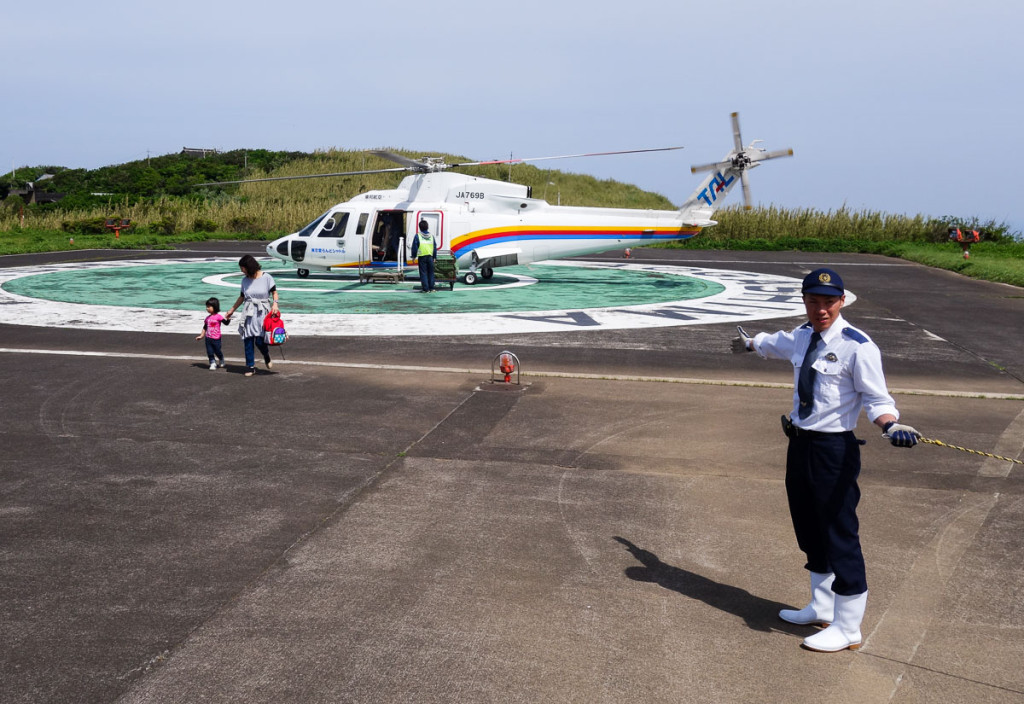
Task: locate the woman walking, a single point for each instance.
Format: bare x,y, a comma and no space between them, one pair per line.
259,294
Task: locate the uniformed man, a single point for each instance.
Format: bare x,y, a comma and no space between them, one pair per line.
837,370
423,245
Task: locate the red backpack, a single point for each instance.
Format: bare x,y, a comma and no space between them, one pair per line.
273,329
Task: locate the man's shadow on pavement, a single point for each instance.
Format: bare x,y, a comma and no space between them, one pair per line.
759,614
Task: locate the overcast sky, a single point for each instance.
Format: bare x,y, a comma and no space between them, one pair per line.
905,107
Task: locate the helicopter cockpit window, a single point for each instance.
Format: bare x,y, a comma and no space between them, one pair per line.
334,225
308,229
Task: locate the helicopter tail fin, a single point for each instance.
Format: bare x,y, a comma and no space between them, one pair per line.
702,203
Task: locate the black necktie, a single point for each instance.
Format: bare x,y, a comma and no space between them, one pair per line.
805,384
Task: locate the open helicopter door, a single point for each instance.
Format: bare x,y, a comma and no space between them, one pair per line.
388,231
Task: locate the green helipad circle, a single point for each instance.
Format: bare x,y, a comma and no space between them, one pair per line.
527,288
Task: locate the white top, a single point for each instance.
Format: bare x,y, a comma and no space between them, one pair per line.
256,296
849,375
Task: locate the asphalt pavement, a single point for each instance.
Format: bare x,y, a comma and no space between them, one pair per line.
373,520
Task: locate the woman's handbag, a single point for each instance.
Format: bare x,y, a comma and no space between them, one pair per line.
273,329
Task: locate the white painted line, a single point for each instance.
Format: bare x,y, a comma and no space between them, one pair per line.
987,395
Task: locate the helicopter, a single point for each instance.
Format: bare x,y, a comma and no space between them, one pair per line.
487,224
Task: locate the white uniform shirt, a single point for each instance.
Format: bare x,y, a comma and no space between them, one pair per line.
849,375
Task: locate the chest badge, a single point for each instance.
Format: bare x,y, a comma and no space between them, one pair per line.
831,357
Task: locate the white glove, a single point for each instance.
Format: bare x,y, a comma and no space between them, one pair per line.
901,435
742,343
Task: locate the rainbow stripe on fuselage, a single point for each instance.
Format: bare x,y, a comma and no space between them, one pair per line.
560,237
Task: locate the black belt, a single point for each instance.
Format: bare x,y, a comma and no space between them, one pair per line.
792,431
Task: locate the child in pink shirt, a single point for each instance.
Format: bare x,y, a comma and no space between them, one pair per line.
211,331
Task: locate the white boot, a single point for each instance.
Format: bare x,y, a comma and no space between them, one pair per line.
845,630
819,611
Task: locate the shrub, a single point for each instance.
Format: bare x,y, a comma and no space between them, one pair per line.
14,203
204,225
87,226
243,225
167,225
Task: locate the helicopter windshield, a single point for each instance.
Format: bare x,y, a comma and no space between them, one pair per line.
334,226
308,229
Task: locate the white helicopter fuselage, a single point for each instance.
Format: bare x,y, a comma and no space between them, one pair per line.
483,222
487,224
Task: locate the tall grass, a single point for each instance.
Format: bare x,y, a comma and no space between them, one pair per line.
737,226
998,257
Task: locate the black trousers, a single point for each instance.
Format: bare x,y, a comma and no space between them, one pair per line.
821,484
213,349
427,272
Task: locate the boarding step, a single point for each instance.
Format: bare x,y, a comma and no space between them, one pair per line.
382,277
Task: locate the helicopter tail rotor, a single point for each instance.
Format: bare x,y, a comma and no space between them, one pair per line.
740,160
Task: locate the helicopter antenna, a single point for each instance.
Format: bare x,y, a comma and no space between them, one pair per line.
741,159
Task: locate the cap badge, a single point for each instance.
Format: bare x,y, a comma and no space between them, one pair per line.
824,277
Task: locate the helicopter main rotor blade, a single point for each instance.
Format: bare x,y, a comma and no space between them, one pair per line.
564,156
746,190
398,159
427,164
292,178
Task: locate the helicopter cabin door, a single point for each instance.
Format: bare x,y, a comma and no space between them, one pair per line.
435,221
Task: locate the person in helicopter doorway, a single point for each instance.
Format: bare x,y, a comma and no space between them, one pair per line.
423,245
391,237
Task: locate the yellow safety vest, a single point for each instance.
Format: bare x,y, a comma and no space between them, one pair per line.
426,245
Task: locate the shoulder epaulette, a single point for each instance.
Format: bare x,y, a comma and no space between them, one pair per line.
855,335
805,325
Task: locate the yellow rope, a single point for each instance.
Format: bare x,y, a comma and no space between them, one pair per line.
973,452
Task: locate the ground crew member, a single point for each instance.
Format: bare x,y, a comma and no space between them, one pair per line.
423,245
837,370
965,240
